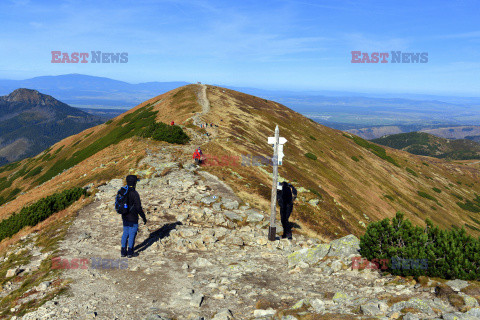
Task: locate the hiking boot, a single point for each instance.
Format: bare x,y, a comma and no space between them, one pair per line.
123,252
130,252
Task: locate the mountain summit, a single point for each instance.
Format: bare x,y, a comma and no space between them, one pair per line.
29,96
31,121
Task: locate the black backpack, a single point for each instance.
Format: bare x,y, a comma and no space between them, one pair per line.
121,200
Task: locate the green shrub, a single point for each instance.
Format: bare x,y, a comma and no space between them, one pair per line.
475,220
33,172
10,166
411,172
163,132
426,195
436,190
451,254
389,197
313,138
109,121
469,206
459,197
311,156
139,122
375,149
58,150
472,227
39,211
355,159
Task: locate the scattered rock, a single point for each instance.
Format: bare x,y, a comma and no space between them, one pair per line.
43,286
233,216
258,313
223,314
209,200
340,297
230,204
310,256
457,285
197,300
202,263
317,305
12,272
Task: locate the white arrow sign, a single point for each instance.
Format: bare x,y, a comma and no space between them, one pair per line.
281,140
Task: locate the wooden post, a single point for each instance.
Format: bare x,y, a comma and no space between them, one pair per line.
272,230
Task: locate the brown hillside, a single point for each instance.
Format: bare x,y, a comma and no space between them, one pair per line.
352,192
353,185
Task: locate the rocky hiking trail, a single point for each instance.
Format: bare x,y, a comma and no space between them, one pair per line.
202,256
205,255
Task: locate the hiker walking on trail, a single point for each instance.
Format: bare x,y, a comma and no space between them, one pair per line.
130,217
197,156
172,123
286,195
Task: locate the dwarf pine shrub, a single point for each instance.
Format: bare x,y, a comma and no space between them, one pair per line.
39,211
450,254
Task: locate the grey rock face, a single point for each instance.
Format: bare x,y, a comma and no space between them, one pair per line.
344,247
457,285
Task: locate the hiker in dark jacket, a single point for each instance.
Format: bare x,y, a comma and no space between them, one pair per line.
130,219
286,195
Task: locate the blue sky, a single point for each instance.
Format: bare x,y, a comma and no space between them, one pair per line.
297,45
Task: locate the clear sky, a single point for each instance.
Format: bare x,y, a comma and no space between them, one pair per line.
298,45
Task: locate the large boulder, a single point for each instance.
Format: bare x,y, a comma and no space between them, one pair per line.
311,256
344,247
423,305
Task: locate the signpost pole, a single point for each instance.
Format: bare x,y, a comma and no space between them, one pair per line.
272,230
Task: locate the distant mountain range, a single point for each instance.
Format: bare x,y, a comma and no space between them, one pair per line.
369,115
84,91
426,144
31,122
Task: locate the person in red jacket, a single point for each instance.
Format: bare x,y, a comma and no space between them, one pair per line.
172,123
197,156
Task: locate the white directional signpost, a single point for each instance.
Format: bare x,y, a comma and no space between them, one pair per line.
281,142
278,143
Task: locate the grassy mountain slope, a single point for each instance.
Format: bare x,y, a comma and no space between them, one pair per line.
425,144
354,181
94,155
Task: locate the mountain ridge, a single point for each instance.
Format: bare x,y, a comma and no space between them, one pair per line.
344,184
425,144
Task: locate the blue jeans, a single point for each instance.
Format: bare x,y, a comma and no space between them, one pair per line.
129,233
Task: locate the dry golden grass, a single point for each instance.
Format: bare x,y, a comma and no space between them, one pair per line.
352,192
